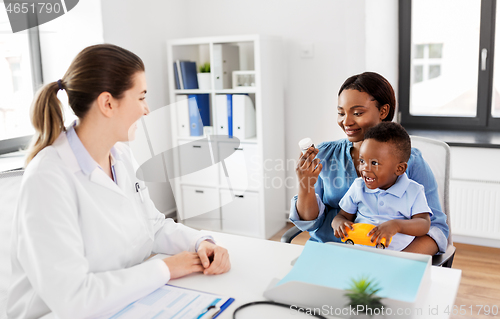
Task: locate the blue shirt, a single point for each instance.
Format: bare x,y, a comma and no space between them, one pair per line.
339,173
375,206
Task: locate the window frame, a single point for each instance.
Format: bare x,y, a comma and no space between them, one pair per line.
483,121
17,143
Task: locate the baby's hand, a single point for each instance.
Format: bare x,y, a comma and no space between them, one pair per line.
339,226
385,230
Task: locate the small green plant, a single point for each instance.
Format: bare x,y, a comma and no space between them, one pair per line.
205,68
362,293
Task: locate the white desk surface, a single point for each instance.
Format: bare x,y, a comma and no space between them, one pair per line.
255,262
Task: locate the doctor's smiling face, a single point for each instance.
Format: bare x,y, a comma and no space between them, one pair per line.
131,107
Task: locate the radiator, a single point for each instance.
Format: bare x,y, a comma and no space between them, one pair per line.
475,208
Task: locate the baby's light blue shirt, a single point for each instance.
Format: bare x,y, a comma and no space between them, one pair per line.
375,206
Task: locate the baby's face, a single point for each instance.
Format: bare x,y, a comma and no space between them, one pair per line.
379,165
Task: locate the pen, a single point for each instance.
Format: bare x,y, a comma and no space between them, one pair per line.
138,189
215,313
208,312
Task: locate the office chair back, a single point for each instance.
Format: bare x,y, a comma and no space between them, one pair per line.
437,155
10,183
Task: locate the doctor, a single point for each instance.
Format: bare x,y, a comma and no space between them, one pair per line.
84,221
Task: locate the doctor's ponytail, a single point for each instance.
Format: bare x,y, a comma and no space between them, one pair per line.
47,119
96,69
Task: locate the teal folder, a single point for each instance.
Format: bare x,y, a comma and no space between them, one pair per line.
334,266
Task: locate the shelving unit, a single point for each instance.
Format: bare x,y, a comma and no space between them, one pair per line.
251,200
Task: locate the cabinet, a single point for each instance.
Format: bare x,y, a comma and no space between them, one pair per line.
223,183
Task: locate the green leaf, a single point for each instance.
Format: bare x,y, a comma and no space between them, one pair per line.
205,68
362,291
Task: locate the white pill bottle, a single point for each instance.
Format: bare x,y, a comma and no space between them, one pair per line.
304,144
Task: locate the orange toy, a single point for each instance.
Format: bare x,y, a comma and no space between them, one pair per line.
359,236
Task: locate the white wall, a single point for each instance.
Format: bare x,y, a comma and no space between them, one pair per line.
338,30
61,40
382,43
144,30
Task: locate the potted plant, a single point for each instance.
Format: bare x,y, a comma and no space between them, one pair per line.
204,80
362,296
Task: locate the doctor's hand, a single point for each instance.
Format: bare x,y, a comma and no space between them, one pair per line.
183,264
215,259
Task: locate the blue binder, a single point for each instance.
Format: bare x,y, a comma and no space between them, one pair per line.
230,115
176,75
199,113
189,75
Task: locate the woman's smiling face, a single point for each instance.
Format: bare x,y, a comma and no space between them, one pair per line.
357,112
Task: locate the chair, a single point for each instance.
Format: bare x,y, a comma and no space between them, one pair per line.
10,183
437,155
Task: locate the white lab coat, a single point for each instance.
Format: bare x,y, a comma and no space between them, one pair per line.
79,240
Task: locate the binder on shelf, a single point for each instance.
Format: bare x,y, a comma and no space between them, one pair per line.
178,76
244,117
182,111
221,111
186,74
230,115
199,113
226,60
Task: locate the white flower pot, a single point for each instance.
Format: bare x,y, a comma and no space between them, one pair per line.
204,81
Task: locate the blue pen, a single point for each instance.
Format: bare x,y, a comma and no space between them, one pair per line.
210,310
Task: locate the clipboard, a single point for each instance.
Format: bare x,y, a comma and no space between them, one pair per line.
175,302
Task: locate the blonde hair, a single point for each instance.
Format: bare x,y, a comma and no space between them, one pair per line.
47,118
96,69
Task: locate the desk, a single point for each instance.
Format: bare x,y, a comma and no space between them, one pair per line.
255,262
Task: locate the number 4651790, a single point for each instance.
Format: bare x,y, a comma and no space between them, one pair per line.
39,7
463,310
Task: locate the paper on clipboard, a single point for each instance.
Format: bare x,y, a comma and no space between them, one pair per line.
175,302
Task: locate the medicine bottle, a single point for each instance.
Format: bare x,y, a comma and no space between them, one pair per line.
304,144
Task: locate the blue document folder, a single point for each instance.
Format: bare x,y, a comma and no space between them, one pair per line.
230,115
199,113
335,265
176,76
189,75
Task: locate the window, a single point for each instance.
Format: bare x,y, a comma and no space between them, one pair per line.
427,62
20,76
446,77
495,105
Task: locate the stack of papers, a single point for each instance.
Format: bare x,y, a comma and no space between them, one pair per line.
174,302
